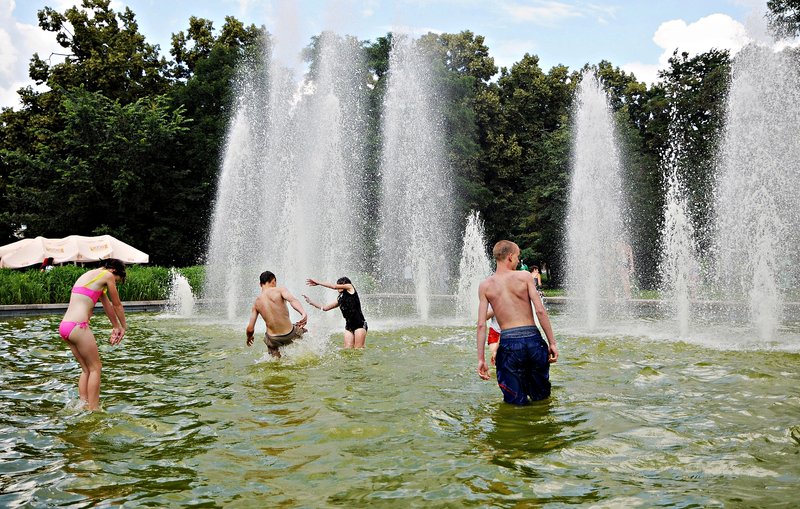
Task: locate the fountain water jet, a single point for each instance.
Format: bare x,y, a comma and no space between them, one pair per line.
474,266
596,241
758,182
679,267
416,223
289,190
180,301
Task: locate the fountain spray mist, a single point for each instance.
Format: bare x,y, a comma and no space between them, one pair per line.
474,266
416,222
288,197
596,242
679,267
758,184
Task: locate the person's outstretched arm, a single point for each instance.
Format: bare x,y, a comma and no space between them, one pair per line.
292,300
328,307
333,286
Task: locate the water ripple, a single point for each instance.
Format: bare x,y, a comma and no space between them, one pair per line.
191,417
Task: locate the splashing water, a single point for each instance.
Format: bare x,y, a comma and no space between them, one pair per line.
181,298
679,266
290,184
416,224
597,270
474,266
757,187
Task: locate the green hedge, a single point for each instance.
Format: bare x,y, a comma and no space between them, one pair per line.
142,283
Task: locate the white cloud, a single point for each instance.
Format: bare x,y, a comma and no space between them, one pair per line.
508,52
117,5
643,72
18,43
368,8
550,12
411,30
716,31
8,55
540,12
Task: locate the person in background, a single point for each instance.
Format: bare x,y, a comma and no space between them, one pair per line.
47,265
537,280
494,334
355,326
96,284
625,267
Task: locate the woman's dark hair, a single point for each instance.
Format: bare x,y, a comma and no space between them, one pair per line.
115,266
343,281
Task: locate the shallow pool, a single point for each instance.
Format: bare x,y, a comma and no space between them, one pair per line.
192,417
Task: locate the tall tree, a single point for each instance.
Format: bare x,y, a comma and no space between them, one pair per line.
641,177
696,89
527,165
104,172
105,53
464,79
205,69
784,16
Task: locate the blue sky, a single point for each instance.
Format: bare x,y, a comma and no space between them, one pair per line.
638,35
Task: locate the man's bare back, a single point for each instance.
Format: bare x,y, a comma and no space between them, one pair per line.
510,292
271,306
507,292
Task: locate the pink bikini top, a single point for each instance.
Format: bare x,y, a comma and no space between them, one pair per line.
92,294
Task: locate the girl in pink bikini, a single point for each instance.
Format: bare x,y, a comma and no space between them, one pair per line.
97,284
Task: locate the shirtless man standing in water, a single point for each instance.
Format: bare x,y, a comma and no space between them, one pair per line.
271,305
523,358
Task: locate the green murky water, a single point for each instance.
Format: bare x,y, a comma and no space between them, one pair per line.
194,418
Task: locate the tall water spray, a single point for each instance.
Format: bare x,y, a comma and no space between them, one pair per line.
416,223
288,197
758,184
474,266
679,266
597,246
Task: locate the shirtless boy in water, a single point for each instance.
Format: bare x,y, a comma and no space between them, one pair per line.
523,357
271,305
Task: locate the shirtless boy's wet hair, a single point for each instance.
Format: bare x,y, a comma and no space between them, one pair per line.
502,249
266,277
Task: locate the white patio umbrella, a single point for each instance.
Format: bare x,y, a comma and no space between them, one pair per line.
74,248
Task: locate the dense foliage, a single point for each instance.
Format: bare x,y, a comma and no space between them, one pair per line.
128,143
53,287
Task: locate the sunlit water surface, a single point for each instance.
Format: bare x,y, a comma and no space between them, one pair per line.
192,417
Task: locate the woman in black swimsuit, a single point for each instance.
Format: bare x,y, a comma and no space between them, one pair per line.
355,326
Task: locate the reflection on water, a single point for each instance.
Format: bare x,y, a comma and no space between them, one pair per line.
194,417
534,431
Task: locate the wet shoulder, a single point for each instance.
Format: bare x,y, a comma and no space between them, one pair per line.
87,276
275,294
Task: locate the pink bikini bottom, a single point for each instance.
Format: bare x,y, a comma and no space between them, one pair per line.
65,328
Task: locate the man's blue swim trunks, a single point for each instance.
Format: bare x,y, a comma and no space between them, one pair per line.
522,366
